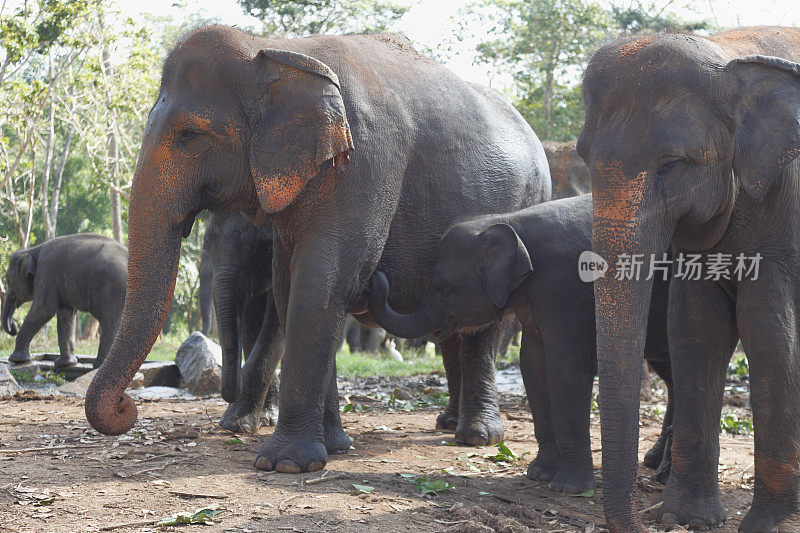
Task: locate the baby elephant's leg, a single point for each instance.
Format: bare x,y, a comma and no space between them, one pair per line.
66,337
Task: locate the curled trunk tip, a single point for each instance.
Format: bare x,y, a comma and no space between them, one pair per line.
9,306
108,412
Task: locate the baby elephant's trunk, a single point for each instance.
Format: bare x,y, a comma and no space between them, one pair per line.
9,306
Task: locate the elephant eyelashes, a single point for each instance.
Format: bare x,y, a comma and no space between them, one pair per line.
666,167
187,135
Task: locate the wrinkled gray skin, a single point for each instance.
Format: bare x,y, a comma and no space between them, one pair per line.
267,127
82,272
568,173
525,263
240,257
692,142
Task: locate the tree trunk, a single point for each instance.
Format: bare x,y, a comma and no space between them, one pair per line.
59,180
91,329
48,154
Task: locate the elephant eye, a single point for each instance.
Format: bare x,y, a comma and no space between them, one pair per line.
187,135
668,165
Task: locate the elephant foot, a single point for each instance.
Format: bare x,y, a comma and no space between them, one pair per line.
447,420
336,440
485,429
653,457
573,480
240,418
665,467
19,356
772,518
65,360
545,466
689,509
291,454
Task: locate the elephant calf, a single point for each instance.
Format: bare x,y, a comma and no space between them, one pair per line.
82,272
525,263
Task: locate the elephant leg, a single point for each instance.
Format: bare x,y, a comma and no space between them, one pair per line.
108,330
768,322
532,365
38,315
256,403
569,374
66,337
451,357
336,440
479,421
655,455
702,336
312,297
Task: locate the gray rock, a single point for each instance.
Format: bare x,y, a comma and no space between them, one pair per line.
8,385
200,363
160,373
79,386
137,382
156,393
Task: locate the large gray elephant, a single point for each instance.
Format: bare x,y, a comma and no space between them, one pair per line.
81,272
693,142
267,127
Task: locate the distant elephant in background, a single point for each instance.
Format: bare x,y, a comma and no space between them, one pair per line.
240,259
569,174
361,338
206,297
81,272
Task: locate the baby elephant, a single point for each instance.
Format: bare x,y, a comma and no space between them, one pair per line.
526,263
82,272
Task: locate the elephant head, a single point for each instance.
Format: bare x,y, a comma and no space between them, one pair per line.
675,128
476,273
20,277
234,127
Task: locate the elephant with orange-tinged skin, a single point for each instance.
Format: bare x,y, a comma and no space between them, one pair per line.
692,143
361,152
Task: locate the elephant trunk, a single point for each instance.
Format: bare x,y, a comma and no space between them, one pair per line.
154,254
621,304
229,306
9,306
416,324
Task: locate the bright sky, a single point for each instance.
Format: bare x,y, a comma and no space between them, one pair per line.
432,21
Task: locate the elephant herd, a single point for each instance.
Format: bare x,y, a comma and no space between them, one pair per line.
351,175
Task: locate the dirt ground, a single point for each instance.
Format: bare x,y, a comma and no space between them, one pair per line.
177,459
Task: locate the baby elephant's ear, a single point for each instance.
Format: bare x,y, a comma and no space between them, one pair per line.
766,118
27,267
506,262
302,124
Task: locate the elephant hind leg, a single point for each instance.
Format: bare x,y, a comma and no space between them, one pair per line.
108,330
38,315
655,455
66,337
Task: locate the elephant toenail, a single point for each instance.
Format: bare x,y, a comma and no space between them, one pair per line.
262,463
287,466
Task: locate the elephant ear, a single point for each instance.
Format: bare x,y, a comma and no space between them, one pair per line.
506,263
766,118
301,125
27,267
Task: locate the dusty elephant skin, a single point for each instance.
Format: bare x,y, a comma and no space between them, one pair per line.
569,174
267,127
525,263
693,141
81,272
240,255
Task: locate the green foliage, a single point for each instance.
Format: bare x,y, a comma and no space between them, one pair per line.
202,516
504,455
290,18
365,365
52,377
436,399
428,486
653,16
739,367
731,423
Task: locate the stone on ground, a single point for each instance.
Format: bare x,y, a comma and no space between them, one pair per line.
199,360
8,385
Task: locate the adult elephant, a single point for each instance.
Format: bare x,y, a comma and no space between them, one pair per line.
693,141
266,127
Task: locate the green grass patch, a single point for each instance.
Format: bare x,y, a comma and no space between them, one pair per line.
365,365
731,423
47,376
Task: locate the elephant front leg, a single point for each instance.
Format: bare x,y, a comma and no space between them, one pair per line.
314,307
769,328
702,335
451,357
532,367
66,337
38,315
256,402
479,421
